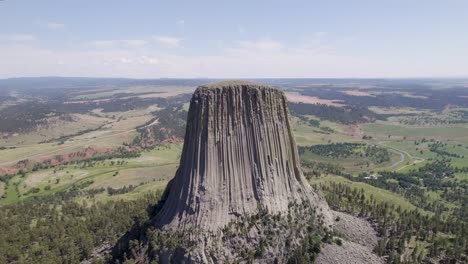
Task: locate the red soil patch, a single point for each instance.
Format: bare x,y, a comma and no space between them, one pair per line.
90,101
85,153
353,130
4,171
298,98
142,145
357,93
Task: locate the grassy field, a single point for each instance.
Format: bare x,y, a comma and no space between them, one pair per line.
153,168
2,188
378,194
138,91
354,164
307,135
116,129
101,131
461,176
56,129
381,130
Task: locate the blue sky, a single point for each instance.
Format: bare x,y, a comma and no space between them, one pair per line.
234,39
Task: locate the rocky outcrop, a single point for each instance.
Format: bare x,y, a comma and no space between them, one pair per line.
348,253
360,239
239,152
355,229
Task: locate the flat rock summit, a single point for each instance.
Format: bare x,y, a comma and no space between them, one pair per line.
239,162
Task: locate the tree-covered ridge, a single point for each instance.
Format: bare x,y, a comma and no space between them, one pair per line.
335,150
438,148
374,153
26,115
56,229
434,118
393,95
78,159
377,154
316,169
407,236
169,122
350,114
436,176
315,123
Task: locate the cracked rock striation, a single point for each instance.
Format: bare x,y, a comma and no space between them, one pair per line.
238,152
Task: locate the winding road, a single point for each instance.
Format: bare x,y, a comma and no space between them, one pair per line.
402,159
403,155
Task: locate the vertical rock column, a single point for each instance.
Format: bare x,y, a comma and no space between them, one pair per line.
238,152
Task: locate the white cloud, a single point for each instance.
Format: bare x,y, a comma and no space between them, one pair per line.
125,60
241,59
264,45
17,38
147,60
320,34
168,41
274,61
102,43
111,43
53,26
181,22
135,42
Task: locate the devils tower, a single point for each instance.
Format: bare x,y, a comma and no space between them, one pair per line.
239,158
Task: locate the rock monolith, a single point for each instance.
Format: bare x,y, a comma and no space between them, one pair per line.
239,155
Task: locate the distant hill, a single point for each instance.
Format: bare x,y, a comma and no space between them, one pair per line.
77,82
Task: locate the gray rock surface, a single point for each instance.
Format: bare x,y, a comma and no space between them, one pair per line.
239,156
355,229
358,244
348,253
238,152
